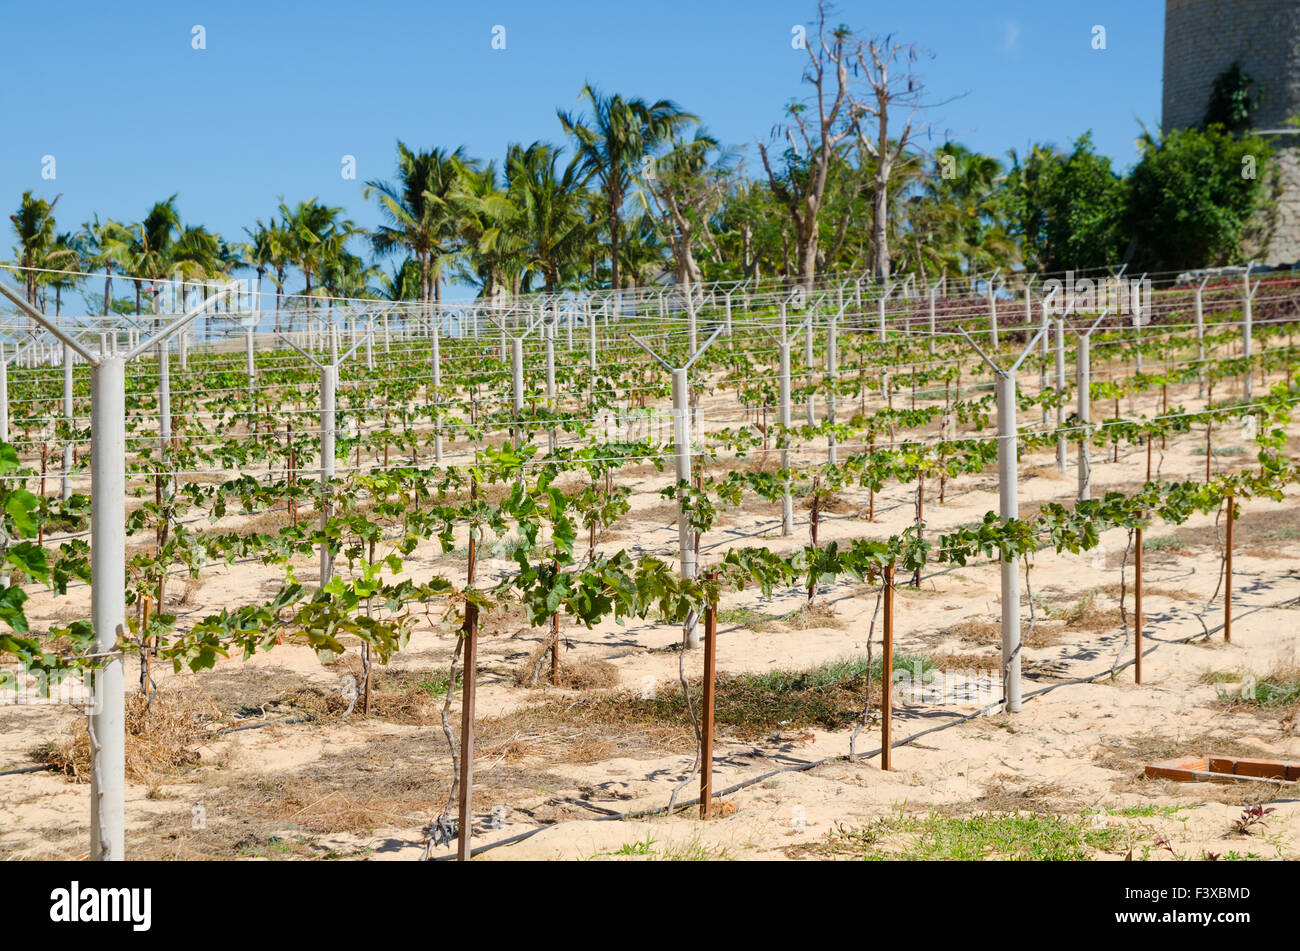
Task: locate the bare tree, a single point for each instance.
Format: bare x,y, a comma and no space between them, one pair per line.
887,90
685,187
816,138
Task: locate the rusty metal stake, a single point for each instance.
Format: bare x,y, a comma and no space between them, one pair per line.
887,669
466,831
555,649
1227,590
706,726
1137,610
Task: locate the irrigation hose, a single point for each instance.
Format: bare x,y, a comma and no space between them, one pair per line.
805,767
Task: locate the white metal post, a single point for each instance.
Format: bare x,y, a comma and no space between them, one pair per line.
808,362
549,333
4,395
108,606
1200,343
248,345
1246,327
993,317
832,375
435,335
1009,508
1084,412
65,488
934,290
682,448
164,402
328,383
690,318
1008,503
1042,367
1060,394
783,409
517,381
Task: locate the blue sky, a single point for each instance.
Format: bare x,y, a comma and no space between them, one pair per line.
132,113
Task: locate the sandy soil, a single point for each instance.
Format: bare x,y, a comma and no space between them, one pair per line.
356,787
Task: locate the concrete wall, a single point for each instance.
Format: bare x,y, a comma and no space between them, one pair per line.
1205,37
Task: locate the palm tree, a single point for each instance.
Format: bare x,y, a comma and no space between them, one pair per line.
105,245
271,252
611,144
551,211
346,275
956,218
315,234
402,284
686,189
487,223
60,262
163,248
420,211
642,251
33,226
258,253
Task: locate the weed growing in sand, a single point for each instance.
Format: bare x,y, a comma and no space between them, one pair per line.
1162,543
935,837
1281,688
692,851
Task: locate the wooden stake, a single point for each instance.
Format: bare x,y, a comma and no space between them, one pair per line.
555,649
706,726
1227,581
1137,609
465,830
887,670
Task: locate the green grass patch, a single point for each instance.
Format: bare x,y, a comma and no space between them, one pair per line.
650,850
1220,677
1140,812
1162,543
751,618
1280,688
934,837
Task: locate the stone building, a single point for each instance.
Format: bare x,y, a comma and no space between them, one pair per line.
1203,38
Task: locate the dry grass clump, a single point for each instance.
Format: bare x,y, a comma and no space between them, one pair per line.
392,781
817,614
163,739
830,696
831,503
1006,794
1043,472
586,730
581,675
984,631
1152,591
397,696
950,660
1086,616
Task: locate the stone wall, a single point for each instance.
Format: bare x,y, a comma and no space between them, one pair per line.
1205,37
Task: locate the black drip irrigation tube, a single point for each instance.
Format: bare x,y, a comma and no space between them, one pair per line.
805,767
